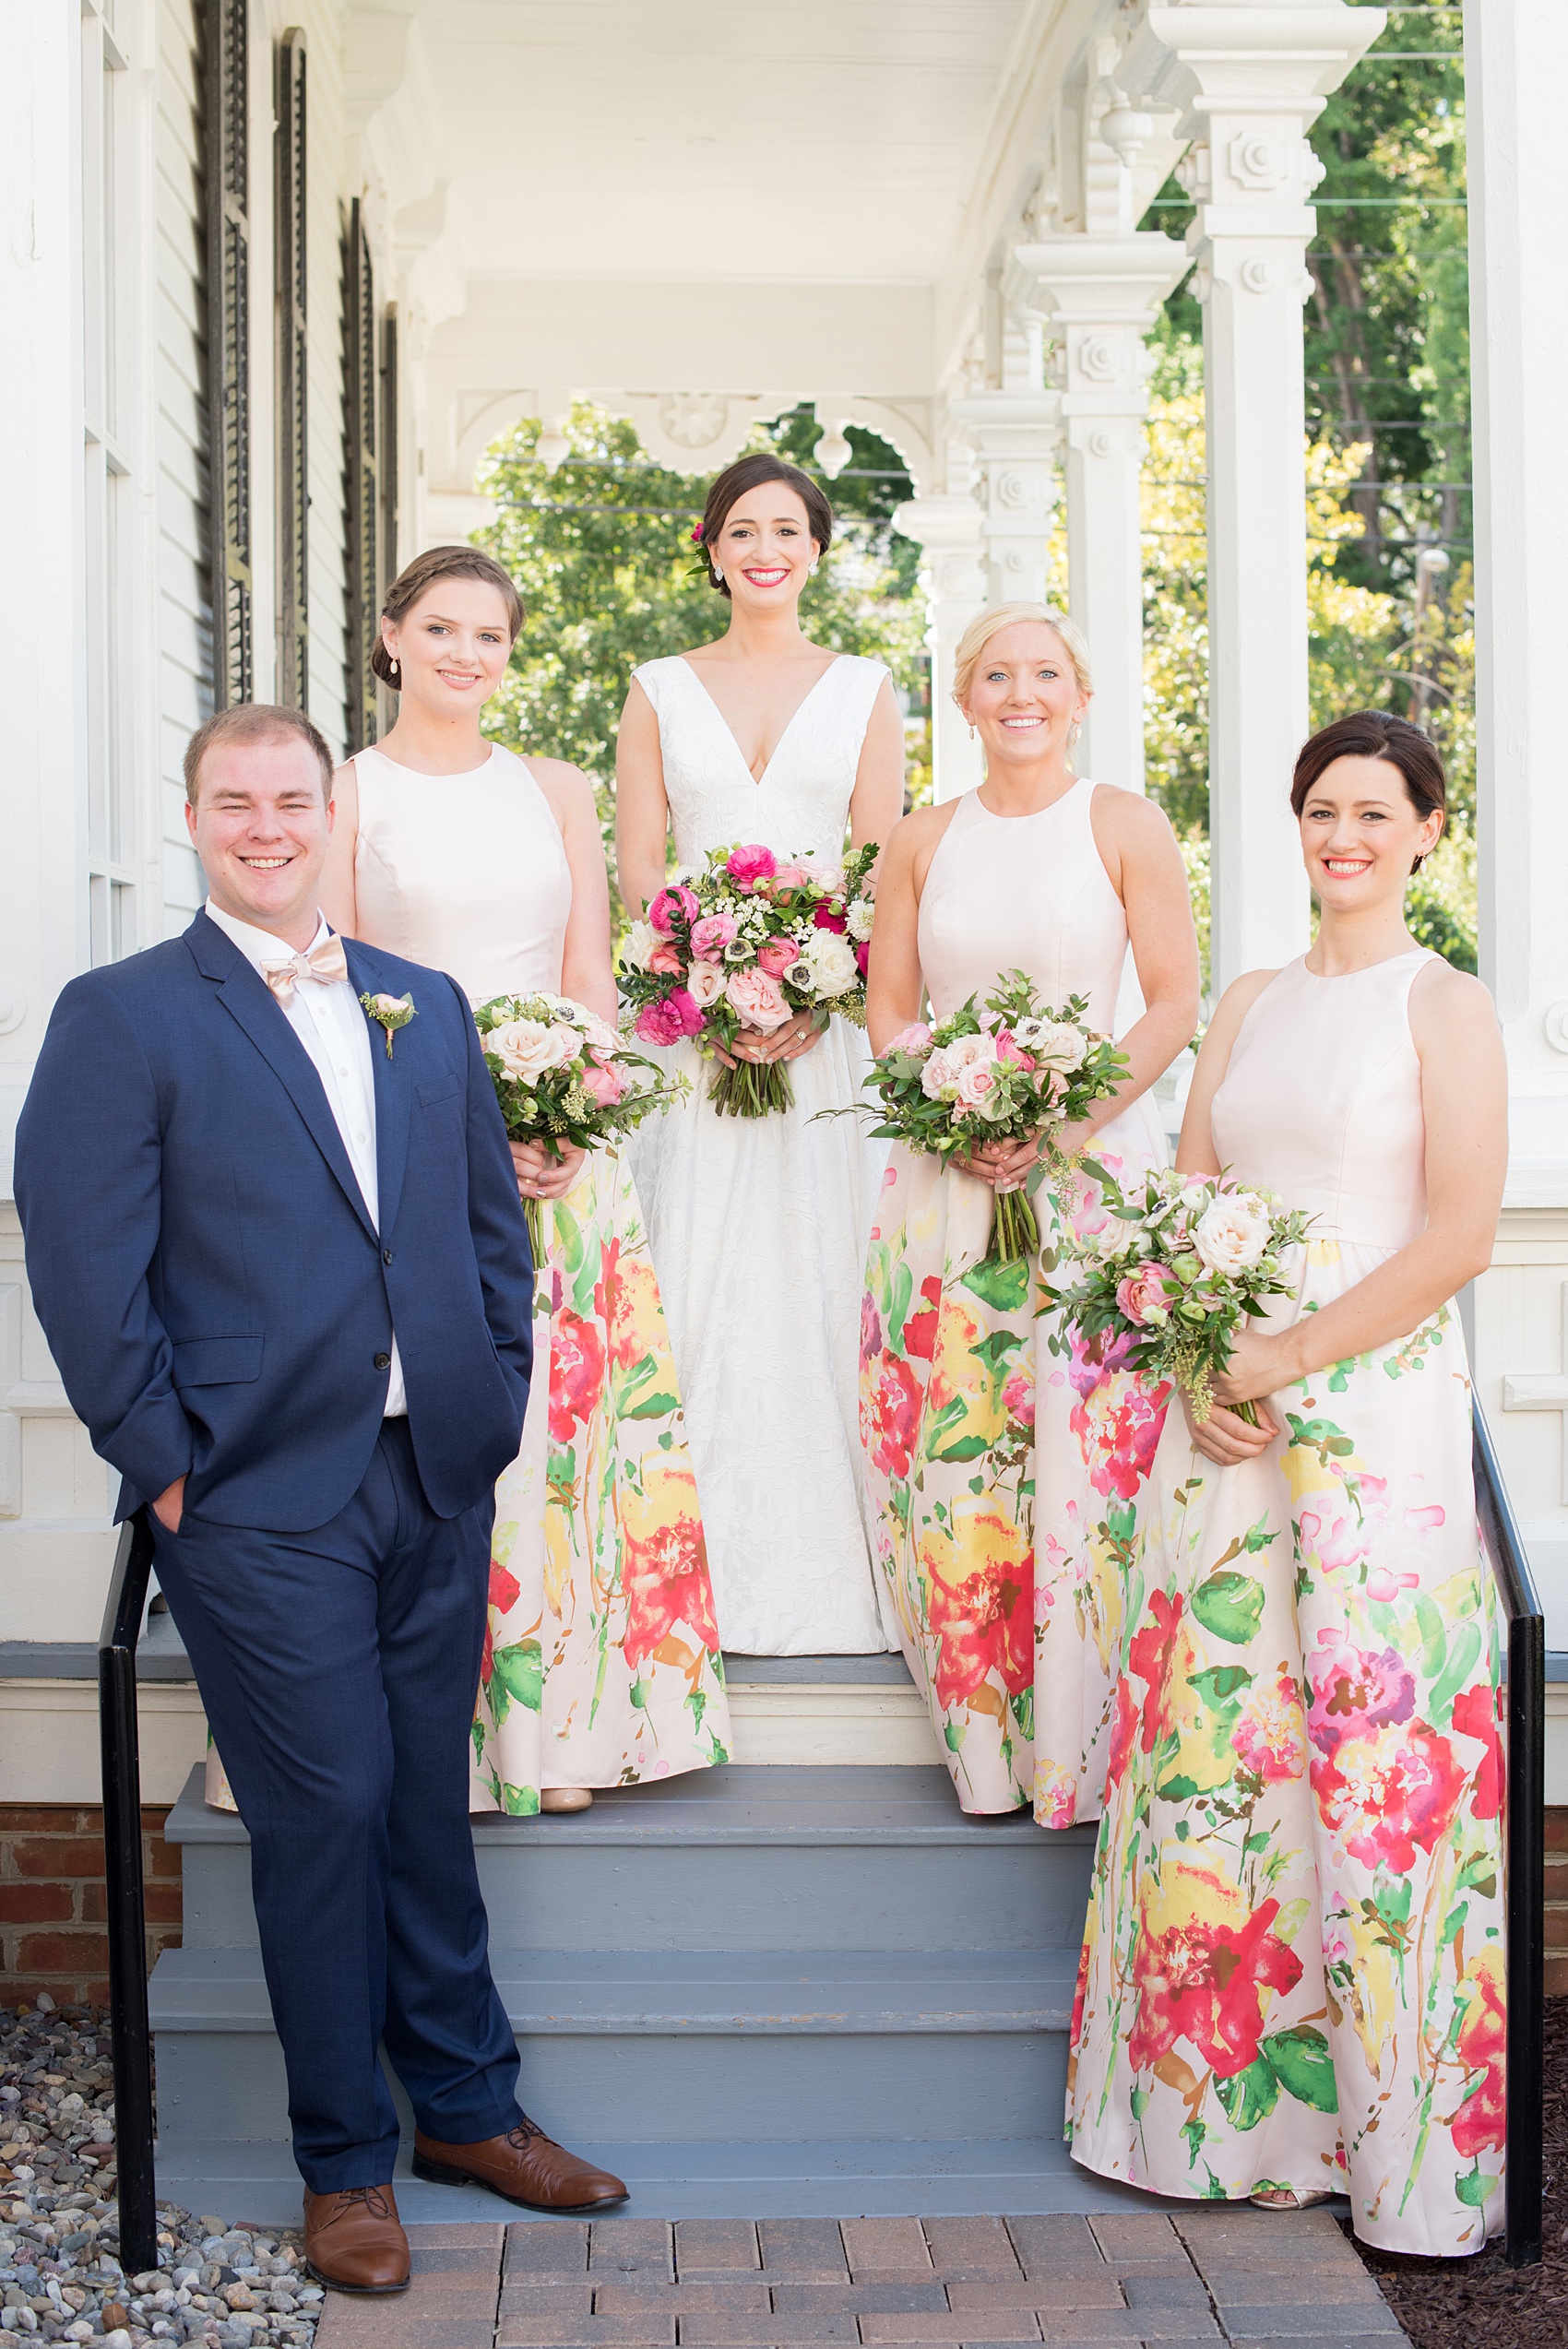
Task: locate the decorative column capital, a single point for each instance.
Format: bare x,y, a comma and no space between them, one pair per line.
1098,295
950,532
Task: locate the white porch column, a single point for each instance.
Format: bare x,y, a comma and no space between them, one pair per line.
1015,436
1516,68
1250,78
1100,295
950,531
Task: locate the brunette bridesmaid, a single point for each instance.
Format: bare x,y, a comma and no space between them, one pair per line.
1294,1969
601,1665
1007,1464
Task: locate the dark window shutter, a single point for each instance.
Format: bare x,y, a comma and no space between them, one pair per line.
388,475
361,494
294,479
228,349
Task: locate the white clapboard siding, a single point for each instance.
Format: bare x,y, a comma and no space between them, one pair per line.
184,619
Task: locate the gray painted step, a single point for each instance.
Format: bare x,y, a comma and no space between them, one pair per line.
740,1858
892,2044
847,2177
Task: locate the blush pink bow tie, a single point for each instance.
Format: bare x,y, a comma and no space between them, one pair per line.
325,964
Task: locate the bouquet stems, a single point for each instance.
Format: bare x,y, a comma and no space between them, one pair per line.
1015,1230
752,1089
534,1210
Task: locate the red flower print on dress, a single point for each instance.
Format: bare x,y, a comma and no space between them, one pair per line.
1117,1420
1148,1658
487,1661
1390,1797
664,1562
1018,1396
920,1330
892,1415
1482,2043
1477,1712
576,1374
1201,1972
1270,1737
983,1624
504,1588
871,1331
1123,1732
1354,1694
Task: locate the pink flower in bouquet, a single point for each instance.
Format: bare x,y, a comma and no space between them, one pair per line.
712,935
976,1084
755,1000
777,956
913,1039
1142,1296
1008,1048
677,900
790,876
862,959
666,960
665,1023
824,917
605,1086
705,982
748,866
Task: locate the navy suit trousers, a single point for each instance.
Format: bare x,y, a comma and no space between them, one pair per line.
339,1669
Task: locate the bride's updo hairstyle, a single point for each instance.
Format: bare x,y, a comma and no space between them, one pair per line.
441,563
737,481
992,617
1372,733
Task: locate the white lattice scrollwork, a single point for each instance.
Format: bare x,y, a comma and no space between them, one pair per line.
693,420
1258,160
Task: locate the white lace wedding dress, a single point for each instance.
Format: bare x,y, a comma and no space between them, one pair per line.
758,1225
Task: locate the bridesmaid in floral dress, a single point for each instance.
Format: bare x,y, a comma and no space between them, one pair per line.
1293,1975
1005,1465
601,1664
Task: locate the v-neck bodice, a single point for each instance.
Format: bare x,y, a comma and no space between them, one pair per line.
801,805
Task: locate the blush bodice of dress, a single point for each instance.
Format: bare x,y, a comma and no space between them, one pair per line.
1322,1101
1023,893
1030,892
466,872
801,804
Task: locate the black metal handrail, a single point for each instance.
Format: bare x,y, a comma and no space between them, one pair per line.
1524,1875
125,1902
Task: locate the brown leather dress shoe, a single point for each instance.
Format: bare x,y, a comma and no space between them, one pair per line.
524,2166
354,2240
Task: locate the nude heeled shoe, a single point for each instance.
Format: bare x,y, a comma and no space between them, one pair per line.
567,1798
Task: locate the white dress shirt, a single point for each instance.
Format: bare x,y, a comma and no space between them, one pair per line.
330,1023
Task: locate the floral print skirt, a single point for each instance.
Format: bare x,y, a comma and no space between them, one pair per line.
1293,1970
1004,1470
601,1665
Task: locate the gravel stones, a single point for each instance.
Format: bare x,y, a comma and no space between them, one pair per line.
60,2277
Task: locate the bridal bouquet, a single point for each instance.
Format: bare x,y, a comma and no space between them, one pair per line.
748,941
562,1075
1006,1069
1176,1269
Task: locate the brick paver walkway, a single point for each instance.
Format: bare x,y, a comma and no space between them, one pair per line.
1239,2276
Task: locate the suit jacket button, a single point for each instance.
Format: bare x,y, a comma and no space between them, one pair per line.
386,1256
384,1361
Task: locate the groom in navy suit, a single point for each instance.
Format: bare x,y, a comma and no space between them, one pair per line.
275,1243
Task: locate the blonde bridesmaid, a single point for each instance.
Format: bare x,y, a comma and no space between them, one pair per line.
1293,1974
1006,1465
601,1666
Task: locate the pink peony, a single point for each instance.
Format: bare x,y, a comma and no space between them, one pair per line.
823,918
666,960
913,1039
748,866
1008,1048
605,1086
677,902
712,934
755,1000
778,955
1142,1297
790,876
706,983
665,1023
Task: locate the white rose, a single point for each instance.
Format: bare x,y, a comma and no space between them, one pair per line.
526,1048
1231,1234
638,944
831,960
1055,1044
828,873
859,916
705,984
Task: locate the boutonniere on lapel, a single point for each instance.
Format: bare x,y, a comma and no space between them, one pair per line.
390,1012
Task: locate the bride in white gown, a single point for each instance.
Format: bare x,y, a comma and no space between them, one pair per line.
760,1226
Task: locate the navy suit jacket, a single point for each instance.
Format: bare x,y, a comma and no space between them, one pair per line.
206,1275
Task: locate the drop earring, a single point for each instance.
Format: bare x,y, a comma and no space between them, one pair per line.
970,723
717,576
395,667
812,572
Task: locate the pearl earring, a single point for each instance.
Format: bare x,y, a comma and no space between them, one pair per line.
396,668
